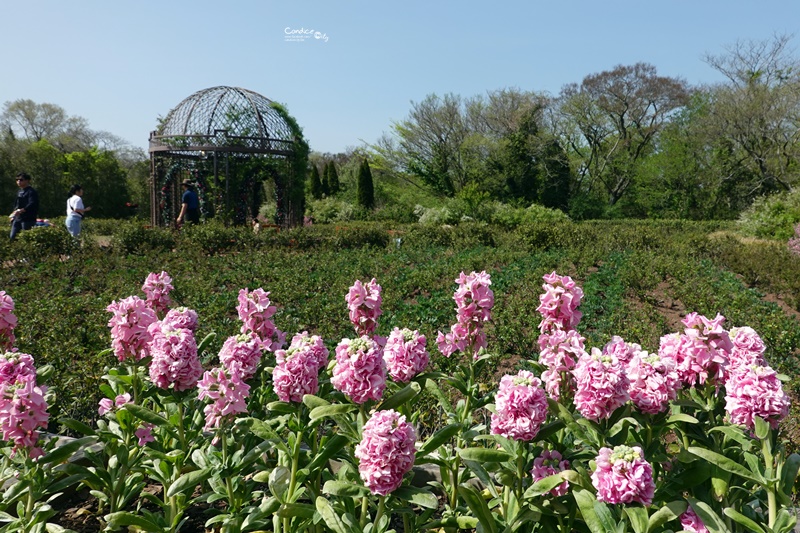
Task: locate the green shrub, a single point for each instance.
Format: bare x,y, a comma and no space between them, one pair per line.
772,217
133,237
213,237
511,217
41,242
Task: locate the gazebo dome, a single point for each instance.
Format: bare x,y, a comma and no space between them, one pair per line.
224,116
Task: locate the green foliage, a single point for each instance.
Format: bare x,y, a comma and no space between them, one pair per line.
511,217
315,185
136,238
772,217
366,190
40,242
331,178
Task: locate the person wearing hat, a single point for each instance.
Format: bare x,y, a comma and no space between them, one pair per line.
26,206
190,204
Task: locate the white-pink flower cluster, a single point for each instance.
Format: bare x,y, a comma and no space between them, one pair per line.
748,348
601,385
405,354
474,301
386,451
623,476
182,317
364,304
130,338
244,350
360,370
175,360
550,462
691,522
520,407
755,391
559,352
297,371
8,321
559,303
701,352
228,393
653,382
256,311
108,405
15,366
23,411
156,288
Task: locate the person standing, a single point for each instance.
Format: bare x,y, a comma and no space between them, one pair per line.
75,210
26,206
190,204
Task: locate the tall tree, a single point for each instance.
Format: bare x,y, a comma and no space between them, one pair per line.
315,183
366,188
616,115
332,177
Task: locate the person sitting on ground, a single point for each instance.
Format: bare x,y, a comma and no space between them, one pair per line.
190,204
75,210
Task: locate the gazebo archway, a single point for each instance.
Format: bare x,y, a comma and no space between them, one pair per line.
228,141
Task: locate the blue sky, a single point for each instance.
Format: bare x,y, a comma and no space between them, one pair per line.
122,64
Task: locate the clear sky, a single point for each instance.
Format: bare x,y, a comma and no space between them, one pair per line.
122,64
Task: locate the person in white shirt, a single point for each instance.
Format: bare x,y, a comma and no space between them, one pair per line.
75,210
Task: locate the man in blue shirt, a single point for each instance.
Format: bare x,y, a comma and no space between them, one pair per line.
26,206
190,204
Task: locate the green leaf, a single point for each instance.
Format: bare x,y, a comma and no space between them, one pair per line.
312,401
681,417
400,397
789,473
347,489
762,427
78,426
147,415
434,389
65,451
726,464
669,512
485,455
331,447
189,481
205,342
741,519
785,522
710,519
417,496
479,508
638,517
585,501
303,510
437,439
285,408
544,485
605,517
330,516
331,410
124,518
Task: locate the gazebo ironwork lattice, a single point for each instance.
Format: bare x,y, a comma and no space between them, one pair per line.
227,140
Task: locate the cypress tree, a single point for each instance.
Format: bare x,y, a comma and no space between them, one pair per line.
316,184
333,177
326,186
366,191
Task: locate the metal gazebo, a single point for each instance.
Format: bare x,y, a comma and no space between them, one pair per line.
228,141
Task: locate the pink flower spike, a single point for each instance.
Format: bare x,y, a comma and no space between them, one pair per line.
386,451
364,304
405,354
521,407
360,370
623,476
8,321
157,288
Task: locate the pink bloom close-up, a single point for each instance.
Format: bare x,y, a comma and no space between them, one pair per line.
297,371
521,407
145,433
474,301
156,289
601,385
108,405
130,336
360,370
364,305
386,451
255,310
15,366
228,394
244,349
547,464
182,317
23,411
405,354
755,391
691,522
8,321
559,303
623,476
653,382
748,348
175,361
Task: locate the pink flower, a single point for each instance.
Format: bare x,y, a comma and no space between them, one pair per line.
244,350
753,391
521,407
547,464
157,288
23,410
256,311
386,451
405,354
228,393
8,321
623,476
601,385
360,370
175,361
129,325
653,382
364,303
182,317
748,348
696,362
691,522
560,350
145,433
559,303
474,301
297,371
107,405
15,366
622,350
